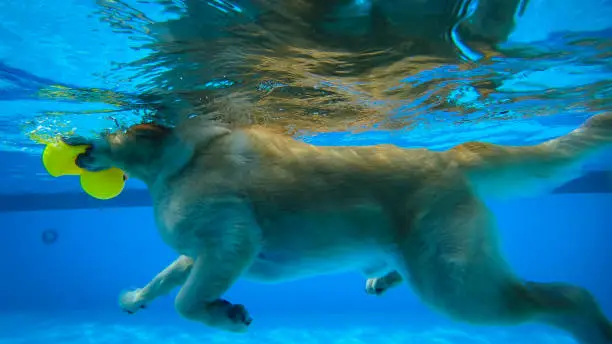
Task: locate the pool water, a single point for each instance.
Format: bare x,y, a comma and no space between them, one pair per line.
327,75
84,327
66,292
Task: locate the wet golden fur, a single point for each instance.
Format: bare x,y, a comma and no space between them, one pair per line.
250,203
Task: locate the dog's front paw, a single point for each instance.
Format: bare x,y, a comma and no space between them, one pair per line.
376,286
131,301
237,318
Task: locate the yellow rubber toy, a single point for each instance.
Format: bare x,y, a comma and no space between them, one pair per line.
59,159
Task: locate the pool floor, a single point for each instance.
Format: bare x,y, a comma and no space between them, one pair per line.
96,328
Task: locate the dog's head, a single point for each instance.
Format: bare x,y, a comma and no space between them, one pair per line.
139,150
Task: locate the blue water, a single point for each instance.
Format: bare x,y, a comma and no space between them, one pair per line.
66,291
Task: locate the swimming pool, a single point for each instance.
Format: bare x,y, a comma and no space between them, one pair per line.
84,67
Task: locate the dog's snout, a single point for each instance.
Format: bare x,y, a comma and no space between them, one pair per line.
84,159
87,162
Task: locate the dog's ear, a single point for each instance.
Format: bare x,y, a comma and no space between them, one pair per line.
149,131
76,140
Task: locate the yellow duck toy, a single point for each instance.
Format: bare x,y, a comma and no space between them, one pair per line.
59,159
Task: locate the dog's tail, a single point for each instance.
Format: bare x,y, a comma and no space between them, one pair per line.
500,171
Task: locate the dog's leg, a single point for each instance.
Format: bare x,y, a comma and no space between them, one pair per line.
379,285
571,308
226,252
213,273
171,277
455,266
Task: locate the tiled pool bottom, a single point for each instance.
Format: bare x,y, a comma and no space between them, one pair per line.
98,328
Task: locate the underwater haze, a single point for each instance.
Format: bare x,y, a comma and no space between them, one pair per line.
343,72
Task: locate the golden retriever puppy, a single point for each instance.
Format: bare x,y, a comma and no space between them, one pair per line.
250,203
